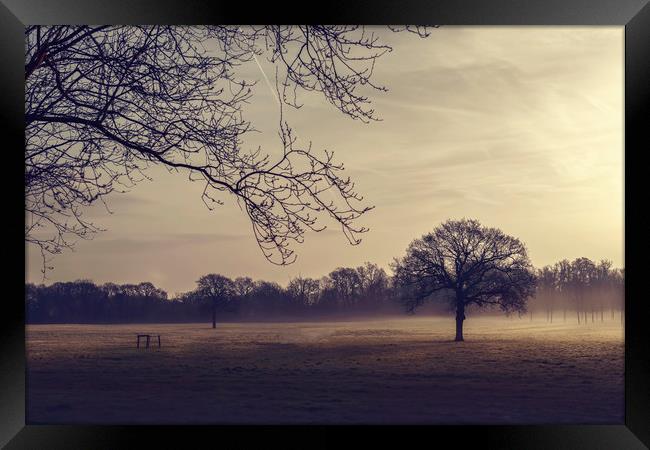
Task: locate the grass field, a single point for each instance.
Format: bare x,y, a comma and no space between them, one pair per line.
403,370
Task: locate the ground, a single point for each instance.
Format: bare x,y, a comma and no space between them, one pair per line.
402,370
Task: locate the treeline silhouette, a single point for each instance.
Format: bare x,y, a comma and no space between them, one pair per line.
588,290
579,290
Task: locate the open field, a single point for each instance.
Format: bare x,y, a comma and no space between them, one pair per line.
404,370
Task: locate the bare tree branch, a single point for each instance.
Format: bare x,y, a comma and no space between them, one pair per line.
104,103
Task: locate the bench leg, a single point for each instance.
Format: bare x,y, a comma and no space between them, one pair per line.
158,341
147,341
138,346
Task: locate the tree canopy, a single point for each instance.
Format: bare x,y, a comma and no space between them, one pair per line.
468,264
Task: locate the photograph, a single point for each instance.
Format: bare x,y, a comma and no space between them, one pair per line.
324,225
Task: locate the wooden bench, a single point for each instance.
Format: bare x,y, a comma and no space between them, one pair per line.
148,338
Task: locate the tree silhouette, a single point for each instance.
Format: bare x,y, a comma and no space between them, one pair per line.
244,286
103,103
375,285
602,285
219,290
470,265
547,289
583,274
82,301
304,291
563,274
346,284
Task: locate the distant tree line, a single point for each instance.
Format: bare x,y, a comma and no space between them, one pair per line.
363,290
580,290
590,291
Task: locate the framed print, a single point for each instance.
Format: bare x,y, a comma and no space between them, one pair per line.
249,233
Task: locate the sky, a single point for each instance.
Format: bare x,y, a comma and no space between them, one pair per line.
518,127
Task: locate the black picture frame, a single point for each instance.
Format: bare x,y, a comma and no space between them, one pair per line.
634,15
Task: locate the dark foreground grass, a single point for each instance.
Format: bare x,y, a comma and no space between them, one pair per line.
509,371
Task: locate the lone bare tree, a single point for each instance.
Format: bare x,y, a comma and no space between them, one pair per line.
103,103
218,289
468,264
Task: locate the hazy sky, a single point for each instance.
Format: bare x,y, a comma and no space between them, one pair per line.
519,127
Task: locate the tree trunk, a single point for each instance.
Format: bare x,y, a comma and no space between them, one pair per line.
459,329
214,314
460,318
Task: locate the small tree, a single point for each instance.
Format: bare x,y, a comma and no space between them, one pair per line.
244,286
374,286
218,289
471,264
563,275
602,284
546,289
583,273
346,283
303,291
